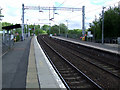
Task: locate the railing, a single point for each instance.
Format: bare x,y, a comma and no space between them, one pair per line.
106,40
7,43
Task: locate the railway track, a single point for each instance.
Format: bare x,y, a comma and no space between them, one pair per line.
102,77
105,57
71,75
112,69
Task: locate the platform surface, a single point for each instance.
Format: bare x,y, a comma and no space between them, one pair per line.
26,66
47,76
32,76
14,65
113,48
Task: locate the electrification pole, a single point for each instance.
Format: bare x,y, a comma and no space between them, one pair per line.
103,25
83,20
22,37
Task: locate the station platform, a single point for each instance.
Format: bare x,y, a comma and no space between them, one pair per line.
112,48
47,77
26,66
14,65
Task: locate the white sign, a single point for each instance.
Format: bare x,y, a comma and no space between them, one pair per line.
29,28
89,33
50,35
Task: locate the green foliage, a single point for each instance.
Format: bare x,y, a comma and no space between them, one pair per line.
63,28
45,27
18,30
54,30
40,31
96,28
17,38
75,33
111,24
6,24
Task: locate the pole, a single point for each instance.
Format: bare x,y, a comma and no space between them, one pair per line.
83,20
34,29
103,25
67,28
59,29
49,20
49,13
22,37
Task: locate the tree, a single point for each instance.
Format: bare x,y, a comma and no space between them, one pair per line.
6,24
63,28
54,30
45,27
111,24
40,31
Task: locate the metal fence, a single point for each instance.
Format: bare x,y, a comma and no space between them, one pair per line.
106,40
7,43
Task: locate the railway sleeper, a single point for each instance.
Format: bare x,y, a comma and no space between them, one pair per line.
79,85
69,71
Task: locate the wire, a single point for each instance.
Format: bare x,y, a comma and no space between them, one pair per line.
62,3
93,10
79,3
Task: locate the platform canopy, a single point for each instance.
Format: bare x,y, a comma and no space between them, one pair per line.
12,27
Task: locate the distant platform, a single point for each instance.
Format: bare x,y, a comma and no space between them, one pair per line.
112,48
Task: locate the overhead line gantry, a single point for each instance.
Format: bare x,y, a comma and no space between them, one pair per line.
53,8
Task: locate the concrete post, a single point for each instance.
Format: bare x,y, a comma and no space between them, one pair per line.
102,26
22,37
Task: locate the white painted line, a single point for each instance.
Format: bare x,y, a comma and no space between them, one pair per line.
58,80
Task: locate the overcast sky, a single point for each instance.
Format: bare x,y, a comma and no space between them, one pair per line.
12,11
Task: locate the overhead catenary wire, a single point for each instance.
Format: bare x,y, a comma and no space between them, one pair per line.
93,10
79,3
62,3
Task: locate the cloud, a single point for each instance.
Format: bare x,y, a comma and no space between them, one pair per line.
97,2
12,11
